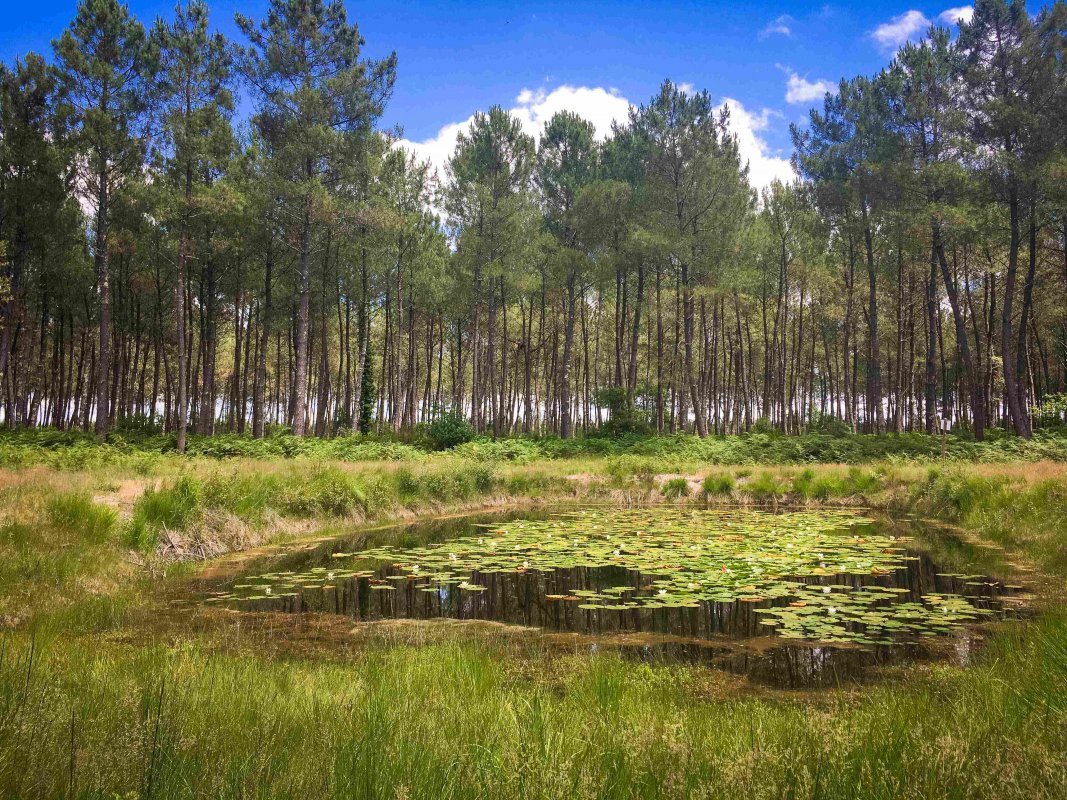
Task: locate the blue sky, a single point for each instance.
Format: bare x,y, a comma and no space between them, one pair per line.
770,59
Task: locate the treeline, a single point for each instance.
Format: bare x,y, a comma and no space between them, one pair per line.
169,265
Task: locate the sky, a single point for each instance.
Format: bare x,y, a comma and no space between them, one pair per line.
769,61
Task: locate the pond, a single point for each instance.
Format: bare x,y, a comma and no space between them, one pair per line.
794,598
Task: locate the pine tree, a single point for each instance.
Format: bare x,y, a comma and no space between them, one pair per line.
316,101
104,60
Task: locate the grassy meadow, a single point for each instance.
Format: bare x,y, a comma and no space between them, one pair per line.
113,685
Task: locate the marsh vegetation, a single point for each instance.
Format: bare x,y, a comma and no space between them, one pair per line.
568,638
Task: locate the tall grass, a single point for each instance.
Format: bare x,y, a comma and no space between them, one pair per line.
78,516
455,720
174,712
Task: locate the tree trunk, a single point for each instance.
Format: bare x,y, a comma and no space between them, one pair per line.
300,344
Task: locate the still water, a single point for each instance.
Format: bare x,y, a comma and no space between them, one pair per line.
795,599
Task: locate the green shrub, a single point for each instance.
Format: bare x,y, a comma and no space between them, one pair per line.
484,479
718,484
247,496
764,426
16,534
137,534
675,488
528,483
449,430
624,469
623,416
173,507
518,451
378,494
829,425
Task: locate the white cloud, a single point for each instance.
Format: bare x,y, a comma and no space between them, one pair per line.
781,25
801,90
595,104
533,108
951,16
763,166
890,35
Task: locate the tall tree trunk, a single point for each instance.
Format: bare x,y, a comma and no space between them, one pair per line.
300,343
259,387
103,288
1007,328
931,327
875,412
970,376
565,425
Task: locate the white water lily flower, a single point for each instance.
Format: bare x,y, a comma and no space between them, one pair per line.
831,610
267,590
662,591
826,590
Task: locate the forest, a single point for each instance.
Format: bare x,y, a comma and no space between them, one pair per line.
202,235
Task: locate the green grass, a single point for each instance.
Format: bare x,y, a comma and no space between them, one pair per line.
106,691
160,508
675,488
718,485
321,491
79,516
457,720
767,488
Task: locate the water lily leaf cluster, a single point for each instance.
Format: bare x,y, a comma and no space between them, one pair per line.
827,575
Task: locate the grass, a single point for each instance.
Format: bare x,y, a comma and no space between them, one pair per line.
675,488
455,720
77,515
107,690
718,485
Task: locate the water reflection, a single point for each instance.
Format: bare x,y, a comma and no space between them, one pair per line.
550,600
719,634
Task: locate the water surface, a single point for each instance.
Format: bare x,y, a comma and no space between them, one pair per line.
796,598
